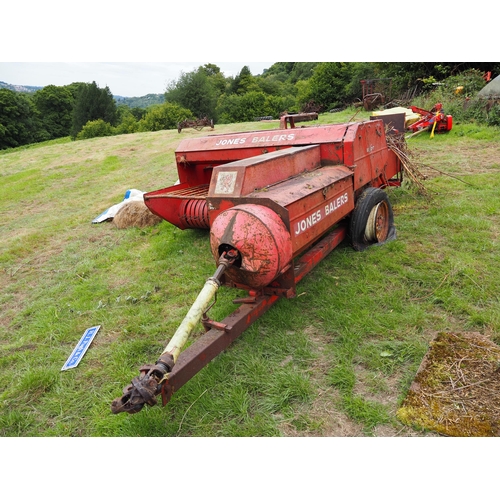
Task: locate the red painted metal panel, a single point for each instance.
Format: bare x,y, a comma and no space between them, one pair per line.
243,177
318,252
315,201
264,139
250,161
322,213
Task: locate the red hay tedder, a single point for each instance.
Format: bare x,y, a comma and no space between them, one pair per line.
434,120
276,203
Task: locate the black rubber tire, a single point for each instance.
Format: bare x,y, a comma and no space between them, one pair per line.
359,222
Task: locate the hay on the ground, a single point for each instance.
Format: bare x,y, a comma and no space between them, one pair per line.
456,391
135,214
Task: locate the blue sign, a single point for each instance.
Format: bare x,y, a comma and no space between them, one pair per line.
81,348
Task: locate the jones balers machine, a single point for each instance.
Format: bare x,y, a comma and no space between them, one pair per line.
275,203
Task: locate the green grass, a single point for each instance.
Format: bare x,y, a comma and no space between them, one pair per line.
336,360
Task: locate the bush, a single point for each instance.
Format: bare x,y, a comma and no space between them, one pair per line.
236,108
457,94
163,117
128,125
494,115
95,128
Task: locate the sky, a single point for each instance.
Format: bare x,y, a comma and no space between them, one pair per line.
126,79
122,45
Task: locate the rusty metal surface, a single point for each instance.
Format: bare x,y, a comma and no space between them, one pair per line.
213,342
183,206
376,92
166,377
194,214
144,388
261,238
196,124
292,119
196,192
217,146
274,203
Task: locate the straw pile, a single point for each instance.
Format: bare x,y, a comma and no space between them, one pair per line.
411,168
456,390
135,214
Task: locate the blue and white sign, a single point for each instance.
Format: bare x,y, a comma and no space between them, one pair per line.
81,348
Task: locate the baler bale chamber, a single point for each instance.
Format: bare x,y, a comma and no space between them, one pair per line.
275,203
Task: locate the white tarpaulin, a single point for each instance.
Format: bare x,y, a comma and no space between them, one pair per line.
491,90
130,195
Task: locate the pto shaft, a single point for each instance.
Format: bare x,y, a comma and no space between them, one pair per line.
144,388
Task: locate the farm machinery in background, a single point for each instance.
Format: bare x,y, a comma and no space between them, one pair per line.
197,124
275,203
377,93
416,120
434,120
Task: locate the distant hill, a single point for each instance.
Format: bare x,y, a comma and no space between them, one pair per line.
132,102
19,88
141,102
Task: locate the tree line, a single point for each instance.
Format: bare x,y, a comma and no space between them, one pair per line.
83,110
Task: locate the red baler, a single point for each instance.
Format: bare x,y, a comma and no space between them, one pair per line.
276,202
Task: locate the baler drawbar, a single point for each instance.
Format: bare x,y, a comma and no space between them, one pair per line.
276,203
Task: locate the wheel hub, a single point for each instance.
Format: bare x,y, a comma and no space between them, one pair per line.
377,226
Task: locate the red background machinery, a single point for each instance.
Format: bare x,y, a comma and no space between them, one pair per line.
434,119
276,203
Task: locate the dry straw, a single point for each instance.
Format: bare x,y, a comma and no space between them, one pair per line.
135,214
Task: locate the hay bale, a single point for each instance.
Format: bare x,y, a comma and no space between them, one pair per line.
135,214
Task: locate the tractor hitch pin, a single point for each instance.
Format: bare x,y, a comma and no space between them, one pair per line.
145,387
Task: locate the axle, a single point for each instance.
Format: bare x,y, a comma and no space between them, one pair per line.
145,387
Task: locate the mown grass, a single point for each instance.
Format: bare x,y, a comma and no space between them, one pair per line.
336,360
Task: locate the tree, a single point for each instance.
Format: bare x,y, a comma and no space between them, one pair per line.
128,123
55,108
328,86
243,82
406,75
138,112
194,91
93,103
291,72
18,124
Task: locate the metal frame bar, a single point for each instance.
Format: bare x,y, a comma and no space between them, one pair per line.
219,337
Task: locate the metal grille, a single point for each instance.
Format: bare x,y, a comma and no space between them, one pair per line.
196,193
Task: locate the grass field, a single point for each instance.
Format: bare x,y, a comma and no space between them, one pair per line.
335,361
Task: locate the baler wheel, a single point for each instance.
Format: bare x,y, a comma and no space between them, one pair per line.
372,221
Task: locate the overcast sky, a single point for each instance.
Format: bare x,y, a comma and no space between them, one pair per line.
154,30
127,79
